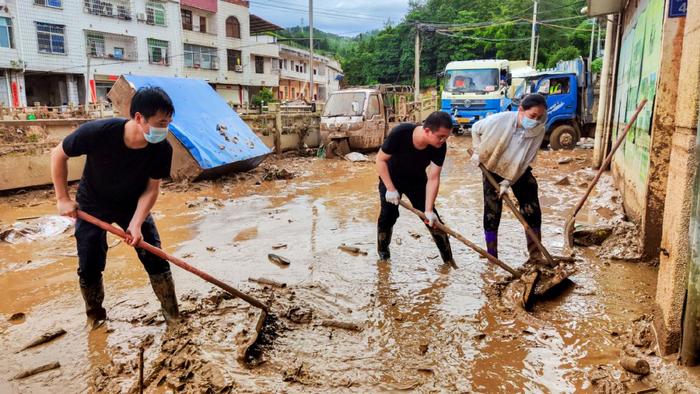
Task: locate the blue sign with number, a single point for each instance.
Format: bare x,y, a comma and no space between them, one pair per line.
677,8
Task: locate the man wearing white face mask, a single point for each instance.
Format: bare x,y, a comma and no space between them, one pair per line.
506,144
126,160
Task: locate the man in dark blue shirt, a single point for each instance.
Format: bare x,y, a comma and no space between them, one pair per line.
126,160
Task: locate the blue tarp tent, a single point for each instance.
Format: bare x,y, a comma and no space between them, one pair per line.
210,131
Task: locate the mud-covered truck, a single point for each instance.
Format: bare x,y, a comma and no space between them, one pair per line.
358,119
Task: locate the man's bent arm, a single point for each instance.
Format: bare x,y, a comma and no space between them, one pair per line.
383,170
59,177
146,202
432,187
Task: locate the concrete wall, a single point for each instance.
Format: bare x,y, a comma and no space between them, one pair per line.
673,269
295,127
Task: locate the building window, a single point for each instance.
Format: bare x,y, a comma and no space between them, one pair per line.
6,40
51,37
373,107
113,8
118,53
281,63
49,3
233,28
259,65
186,19
201,57
155,13
202,24
158,52
233,58
95,45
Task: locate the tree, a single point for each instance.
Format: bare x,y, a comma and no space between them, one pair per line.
567,53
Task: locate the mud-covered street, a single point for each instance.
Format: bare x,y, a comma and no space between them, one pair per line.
424,327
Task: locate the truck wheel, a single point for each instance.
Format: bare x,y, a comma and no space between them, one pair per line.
337,148
457,131
563,137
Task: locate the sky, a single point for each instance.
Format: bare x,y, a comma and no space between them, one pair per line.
342,17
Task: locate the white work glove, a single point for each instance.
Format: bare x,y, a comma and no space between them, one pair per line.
392,197
505,185
431,218
475,159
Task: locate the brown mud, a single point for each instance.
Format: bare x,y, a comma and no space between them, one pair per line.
416,325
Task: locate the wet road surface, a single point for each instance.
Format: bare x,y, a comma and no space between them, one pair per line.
426,327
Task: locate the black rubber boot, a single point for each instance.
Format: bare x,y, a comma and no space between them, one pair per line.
164,287
536,256
93,295
442,241
383,241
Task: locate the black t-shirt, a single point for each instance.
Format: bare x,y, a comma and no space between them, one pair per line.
115,176
407,164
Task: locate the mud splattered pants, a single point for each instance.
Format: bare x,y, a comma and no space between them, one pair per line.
92,246
525,191
390,213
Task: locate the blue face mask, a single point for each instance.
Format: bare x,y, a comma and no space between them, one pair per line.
156,134
529,123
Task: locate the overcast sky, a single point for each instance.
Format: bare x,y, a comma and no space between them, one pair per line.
347,18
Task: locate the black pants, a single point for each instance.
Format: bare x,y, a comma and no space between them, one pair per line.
92,246
390,213
525,190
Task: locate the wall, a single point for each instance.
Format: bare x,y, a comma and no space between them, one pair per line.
294,128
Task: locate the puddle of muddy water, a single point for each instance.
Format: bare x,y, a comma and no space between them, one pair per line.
425,327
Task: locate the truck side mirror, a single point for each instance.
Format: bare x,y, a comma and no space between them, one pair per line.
509,79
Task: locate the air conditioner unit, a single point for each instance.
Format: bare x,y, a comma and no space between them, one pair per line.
141,17
238,68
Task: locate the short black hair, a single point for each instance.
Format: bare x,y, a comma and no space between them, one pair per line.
533,100
149,100
437,120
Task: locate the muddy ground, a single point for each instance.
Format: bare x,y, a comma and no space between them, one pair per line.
424,327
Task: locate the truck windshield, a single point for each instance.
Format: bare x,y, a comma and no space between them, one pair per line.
341,104
471,81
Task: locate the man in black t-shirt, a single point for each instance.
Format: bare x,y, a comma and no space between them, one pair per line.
126,160
401,163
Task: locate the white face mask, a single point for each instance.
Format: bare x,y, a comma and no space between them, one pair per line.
529,123
156,134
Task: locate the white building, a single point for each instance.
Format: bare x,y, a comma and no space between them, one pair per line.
294,75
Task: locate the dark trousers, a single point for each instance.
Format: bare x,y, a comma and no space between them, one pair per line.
92,246
525,190
390,213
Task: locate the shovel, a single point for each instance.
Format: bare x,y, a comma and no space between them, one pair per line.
528,280
571,221
244,351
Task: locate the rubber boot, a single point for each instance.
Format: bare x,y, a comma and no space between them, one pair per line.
442,241
383,241
492,242
93,295
536,256
164,287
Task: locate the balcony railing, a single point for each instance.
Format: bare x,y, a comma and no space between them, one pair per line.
110,8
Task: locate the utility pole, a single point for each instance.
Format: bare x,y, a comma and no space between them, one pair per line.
416,68
311,50
88,90
532,38
590,52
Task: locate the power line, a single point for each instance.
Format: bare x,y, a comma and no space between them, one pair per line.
483,38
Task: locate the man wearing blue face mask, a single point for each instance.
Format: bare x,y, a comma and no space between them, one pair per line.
126,160
506,144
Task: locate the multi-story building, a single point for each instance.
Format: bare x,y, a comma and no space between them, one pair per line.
10,68
226,45
293,66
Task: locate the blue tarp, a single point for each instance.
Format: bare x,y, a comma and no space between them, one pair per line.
205,124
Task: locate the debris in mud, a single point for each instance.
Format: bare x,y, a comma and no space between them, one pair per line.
279,246
414,234
37,370
273,173
635,365
352,250
356,157
591,235
341,324
605,383
211,249
17,317
565,160
298,373
279,260
641,332
268,282
35,229
423,348
623,244
563,181
300,314
47,337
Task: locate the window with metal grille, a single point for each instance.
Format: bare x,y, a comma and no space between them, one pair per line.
158,52
259,65
233,27
233,58
49,3
201,57
113,8
95,45
203,24
186,19
155,13
6,40
51,37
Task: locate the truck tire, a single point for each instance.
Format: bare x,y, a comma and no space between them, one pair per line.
337,148
457,131
563,137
